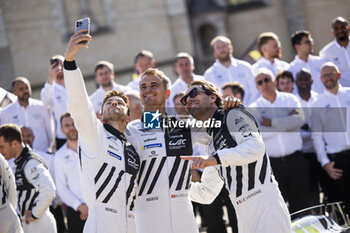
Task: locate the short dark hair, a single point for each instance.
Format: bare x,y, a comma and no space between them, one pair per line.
236,87
284,74
11,132
115,93
298,36
339,19
209,89
64,115
304,72
102,64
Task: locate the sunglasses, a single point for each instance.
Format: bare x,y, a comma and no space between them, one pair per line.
193,93
265,80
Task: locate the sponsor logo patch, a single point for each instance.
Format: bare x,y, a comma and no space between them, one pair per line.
149,146
114,155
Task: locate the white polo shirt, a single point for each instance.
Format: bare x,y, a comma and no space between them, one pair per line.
97,97
313,64
308,146
341,57
54,97
34,116
68,177
283,137
329,133
275,67
239,71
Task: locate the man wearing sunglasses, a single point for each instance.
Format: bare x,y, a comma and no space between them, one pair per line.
280,117
239,151
162,203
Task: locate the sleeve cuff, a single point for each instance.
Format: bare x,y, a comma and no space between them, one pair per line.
76,205
70,65
216,156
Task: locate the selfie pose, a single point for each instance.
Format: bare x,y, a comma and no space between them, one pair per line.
109,163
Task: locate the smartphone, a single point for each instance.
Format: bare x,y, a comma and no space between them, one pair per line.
54,61
83,24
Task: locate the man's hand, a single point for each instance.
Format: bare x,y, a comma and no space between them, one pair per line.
200,162
333,172
74,44
231,102
84,210
266,122
28,216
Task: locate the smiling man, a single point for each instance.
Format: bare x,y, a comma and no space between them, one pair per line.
333,145
109,162
29,112
227,69
238,149
338,50
162,203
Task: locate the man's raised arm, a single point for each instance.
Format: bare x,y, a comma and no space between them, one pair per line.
79,104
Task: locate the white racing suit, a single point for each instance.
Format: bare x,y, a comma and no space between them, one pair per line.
109,163
36,190
9,220
162,204
247,173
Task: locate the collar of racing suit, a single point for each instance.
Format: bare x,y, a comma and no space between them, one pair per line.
114,131
21,156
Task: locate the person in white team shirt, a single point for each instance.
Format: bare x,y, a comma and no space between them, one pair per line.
109,162
9,221
227,69
143,60
54,96
280,117
307,97
29,112
269,47
303,44
35,187
237,147
184,67
338,50
68,177
104,74
331,134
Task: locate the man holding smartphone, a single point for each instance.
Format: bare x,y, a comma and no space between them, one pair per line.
54,96
109,163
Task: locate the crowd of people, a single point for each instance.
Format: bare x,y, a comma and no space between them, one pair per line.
90,159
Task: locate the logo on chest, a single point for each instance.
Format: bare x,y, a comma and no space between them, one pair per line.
149,146
114,155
